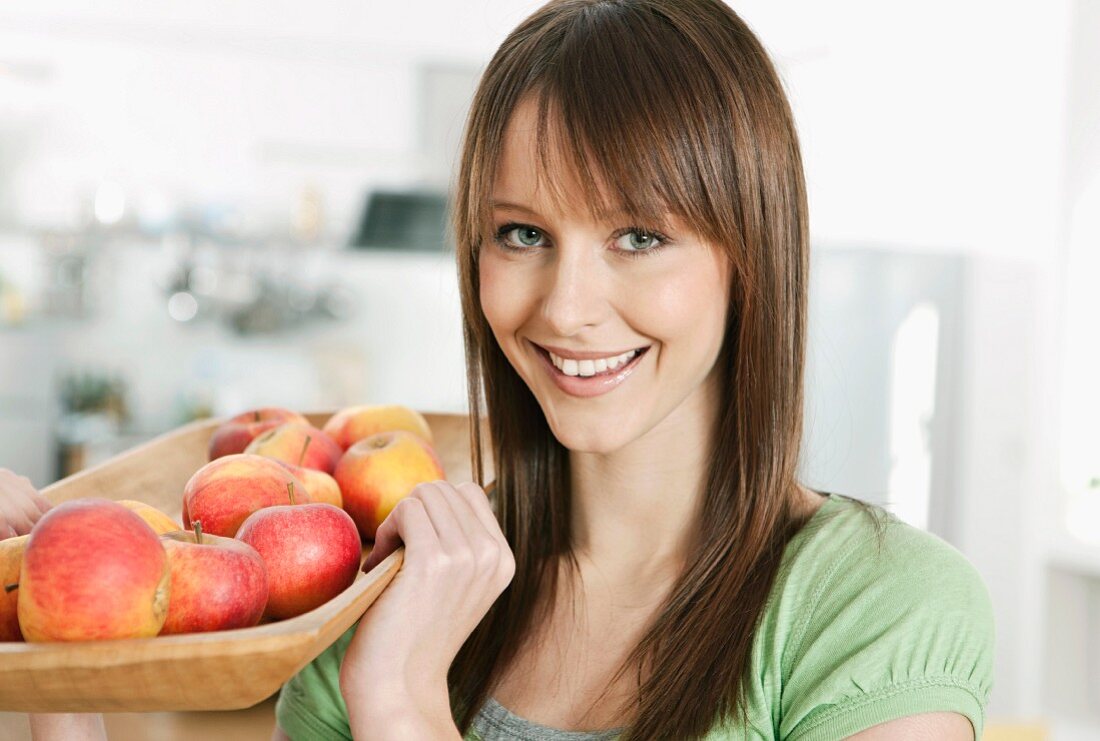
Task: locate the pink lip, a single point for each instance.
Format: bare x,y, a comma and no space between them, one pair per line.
587,355
592,385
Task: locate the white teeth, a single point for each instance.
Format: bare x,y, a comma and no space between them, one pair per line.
571,367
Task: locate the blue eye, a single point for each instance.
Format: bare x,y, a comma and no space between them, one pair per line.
640,240
511,235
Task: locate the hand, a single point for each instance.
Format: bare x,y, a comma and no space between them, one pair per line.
67,726
457,562
20,504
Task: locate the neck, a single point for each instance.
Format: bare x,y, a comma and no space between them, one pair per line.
634,510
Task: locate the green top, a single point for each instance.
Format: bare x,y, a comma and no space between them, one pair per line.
851,637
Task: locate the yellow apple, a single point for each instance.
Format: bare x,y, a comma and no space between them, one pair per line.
378,471
11,558
350,425
160,522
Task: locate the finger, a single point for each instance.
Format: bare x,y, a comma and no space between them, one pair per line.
44,505
479,501
28,506
6,530
456,530
7,514
493,555
31,501
483,528
386,539
475,496
12,515
40,502
406,523
15,511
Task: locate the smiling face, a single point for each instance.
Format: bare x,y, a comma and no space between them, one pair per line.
596,287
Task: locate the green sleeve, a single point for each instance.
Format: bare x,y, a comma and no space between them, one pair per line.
310,706
886,634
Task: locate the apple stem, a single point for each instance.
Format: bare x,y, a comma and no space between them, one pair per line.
290,490
9,588
256,414
196,525
305,447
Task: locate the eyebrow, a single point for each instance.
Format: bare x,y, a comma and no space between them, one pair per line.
514,207
527,209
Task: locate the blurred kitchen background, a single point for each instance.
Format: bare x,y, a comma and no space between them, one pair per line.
210,206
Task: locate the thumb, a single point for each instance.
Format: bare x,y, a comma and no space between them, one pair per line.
386,541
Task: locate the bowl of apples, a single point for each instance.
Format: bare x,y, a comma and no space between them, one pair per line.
204,568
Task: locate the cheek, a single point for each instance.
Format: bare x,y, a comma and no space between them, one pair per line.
685,309
502,295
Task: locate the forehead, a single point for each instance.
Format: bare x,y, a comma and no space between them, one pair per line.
543,178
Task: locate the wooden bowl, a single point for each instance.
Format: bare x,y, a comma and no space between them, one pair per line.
222,670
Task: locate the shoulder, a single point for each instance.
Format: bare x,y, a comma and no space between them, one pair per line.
887,621
851,552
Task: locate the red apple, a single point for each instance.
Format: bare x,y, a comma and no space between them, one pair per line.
11,557
224,492
299,444
217,583
377,472
312,553
234,435
351,424
92,570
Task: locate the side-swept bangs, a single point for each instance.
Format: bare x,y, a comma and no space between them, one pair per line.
628,105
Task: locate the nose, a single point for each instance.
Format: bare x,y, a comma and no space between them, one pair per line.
576,295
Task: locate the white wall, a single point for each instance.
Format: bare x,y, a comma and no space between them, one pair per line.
932,125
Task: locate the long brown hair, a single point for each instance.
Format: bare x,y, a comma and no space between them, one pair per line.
675,105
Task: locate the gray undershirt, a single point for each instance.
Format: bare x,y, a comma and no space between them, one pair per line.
494,722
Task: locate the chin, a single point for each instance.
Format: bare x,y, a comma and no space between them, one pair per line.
577,424
588,438
584,444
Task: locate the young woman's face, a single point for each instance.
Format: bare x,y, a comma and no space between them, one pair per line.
558,280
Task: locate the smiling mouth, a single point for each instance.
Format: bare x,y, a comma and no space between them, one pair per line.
609,371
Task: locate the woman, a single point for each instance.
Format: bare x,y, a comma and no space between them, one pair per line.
631,183
633,254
